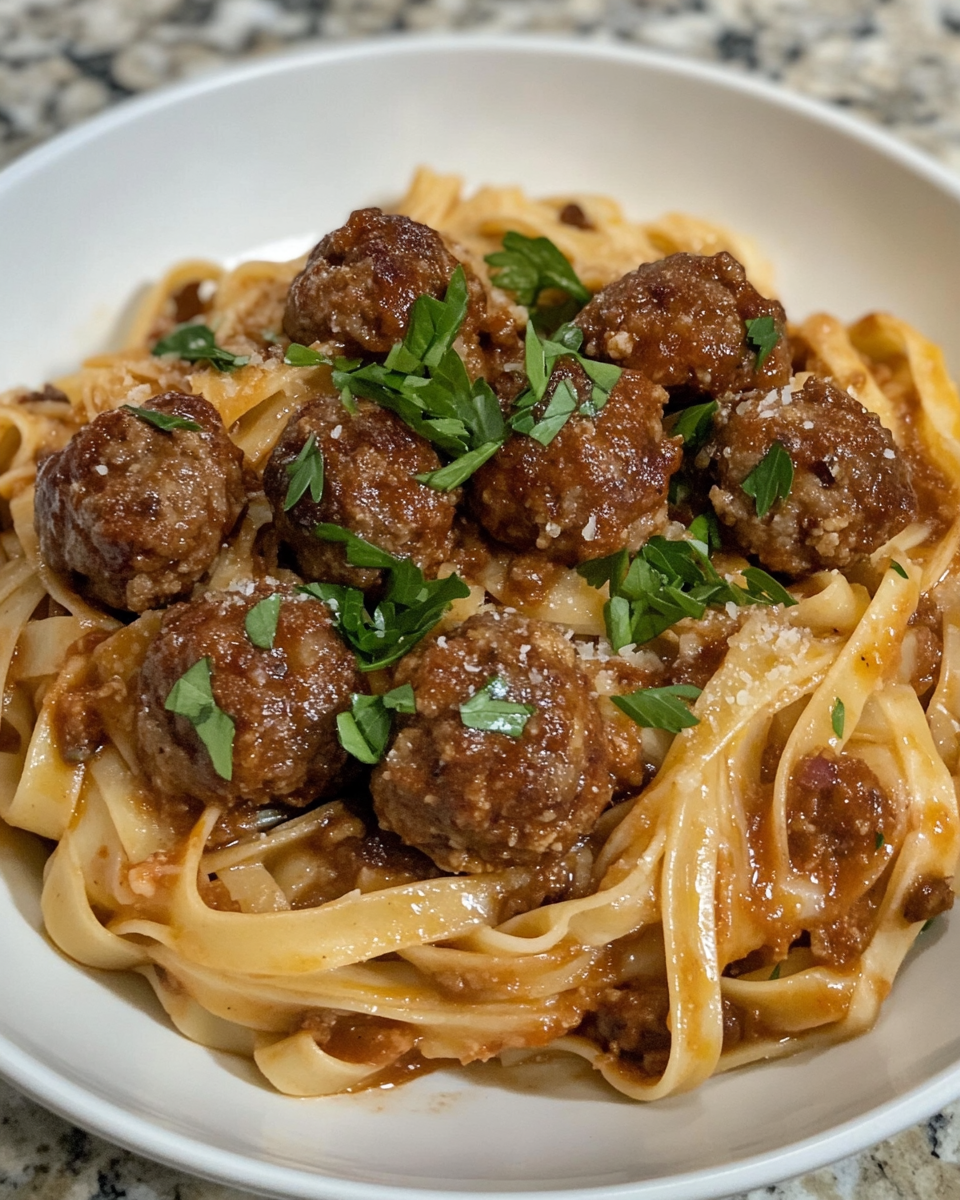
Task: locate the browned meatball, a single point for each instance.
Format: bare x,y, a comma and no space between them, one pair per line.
475,800
370,460
681,322
357,290
600,485
851,489
284,701
361,280
137,515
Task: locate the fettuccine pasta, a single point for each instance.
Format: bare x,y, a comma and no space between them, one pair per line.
762,873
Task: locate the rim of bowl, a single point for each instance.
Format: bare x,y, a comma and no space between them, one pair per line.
142,1136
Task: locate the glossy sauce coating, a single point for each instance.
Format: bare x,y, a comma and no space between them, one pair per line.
137,515
601,483
841,828
475,800
680,321
360,282
284,701
370,459
851,489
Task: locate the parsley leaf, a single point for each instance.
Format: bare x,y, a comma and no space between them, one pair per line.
667,581
762,334
192,697
562,405
660,708
694,425
878,841
837,717
166,422
260,622
705,531
895,566
489,710
540,357
771,479
529,266
444,479
410,608
433,328
401,699
365,730
764,589
304,356
360,553
775,973
306,471
196,343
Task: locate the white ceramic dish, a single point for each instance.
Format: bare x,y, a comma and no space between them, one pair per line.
286,148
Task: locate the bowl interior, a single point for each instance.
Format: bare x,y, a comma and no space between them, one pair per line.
286,149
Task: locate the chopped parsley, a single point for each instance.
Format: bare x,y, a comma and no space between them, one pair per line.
775,973
166,422
424,381
705,531
660,708
895,566
365,730
530,266
540,357
771,479
410,608
304,356
260,622
878,841
838,717
191,697
443,479
763,335
488,709
306,471
695,425
196,343
667,581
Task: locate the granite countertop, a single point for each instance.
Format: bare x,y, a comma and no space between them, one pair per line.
895,63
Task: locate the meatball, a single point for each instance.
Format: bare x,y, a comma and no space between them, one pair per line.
851,490
370,460
600,485
476,800
137,515
681,322
361,280
357,290
283,701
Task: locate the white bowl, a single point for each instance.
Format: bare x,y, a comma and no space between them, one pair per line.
285,148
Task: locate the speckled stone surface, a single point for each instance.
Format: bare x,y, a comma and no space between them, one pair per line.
895,63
